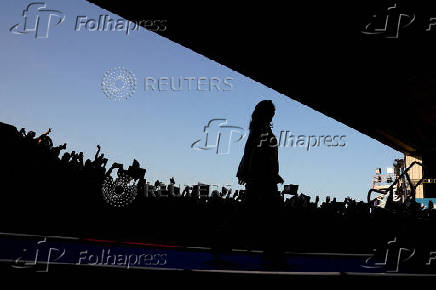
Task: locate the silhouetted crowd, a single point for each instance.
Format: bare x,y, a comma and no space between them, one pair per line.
47,190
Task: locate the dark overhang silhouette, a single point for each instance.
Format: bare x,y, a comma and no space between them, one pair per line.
381,84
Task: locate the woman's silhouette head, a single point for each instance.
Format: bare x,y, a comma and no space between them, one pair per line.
262,115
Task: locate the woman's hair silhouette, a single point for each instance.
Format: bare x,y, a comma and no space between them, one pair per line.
262,114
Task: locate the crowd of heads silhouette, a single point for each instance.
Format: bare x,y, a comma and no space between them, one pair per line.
44,193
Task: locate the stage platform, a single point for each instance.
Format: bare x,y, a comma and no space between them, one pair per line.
42,253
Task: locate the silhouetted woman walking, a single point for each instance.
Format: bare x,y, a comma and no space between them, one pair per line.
259,172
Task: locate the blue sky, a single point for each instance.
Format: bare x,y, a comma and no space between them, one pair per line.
56,82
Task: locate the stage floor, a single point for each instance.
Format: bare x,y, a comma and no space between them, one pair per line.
41,253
